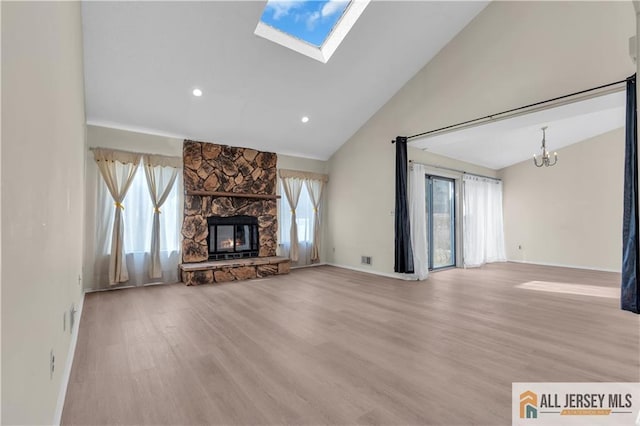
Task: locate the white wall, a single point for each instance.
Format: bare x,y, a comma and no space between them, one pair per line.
511,54
43,143
569,214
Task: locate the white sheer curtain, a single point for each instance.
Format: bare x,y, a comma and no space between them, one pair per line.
314,188
418,220
138,216
291,187
304,224
161,174
118,170
138,233
483,226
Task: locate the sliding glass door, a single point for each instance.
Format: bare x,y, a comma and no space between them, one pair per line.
441,222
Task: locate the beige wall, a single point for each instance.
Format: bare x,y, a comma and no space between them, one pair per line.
511,54
569,214
304,164
43,143
431,159
126,140
362,223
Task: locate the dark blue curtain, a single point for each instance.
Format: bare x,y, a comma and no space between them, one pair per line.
630,296
403,253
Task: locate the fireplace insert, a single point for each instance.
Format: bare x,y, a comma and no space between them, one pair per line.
232,237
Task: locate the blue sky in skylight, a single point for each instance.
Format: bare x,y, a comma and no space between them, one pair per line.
308,20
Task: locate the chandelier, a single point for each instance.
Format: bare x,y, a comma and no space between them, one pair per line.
545,158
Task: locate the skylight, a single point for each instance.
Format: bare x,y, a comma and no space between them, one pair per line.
310,21
312,27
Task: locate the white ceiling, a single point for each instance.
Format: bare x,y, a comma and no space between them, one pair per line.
142,60
506,142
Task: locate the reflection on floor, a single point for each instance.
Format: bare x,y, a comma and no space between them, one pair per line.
567,288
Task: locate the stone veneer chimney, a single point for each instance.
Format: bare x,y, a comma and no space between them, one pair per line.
212,175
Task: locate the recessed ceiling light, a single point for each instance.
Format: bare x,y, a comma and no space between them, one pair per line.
197,92
304,119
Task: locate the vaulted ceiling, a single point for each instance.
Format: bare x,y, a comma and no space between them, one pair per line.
143,59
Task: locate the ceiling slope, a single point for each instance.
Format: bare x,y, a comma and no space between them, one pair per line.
143,59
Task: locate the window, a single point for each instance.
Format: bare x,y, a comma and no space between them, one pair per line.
138,216
304,221
138,220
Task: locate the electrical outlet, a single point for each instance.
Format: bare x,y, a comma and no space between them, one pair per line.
79,280
365,260
519,246
52,364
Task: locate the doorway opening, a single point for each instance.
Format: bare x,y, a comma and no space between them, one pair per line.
441,221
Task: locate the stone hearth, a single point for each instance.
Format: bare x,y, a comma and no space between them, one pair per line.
220,271
213,175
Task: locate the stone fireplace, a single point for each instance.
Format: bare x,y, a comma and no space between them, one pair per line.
232,192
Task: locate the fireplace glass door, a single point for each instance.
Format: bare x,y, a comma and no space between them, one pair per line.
233,237
243,237
224,239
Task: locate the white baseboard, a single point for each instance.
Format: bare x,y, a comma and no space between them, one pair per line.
313,265
559,265
95,290
403,277
66,374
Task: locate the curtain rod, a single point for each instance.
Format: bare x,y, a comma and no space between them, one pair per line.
509,111
135,152
455,170
513,110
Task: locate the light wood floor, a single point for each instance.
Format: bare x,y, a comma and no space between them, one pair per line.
330,346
